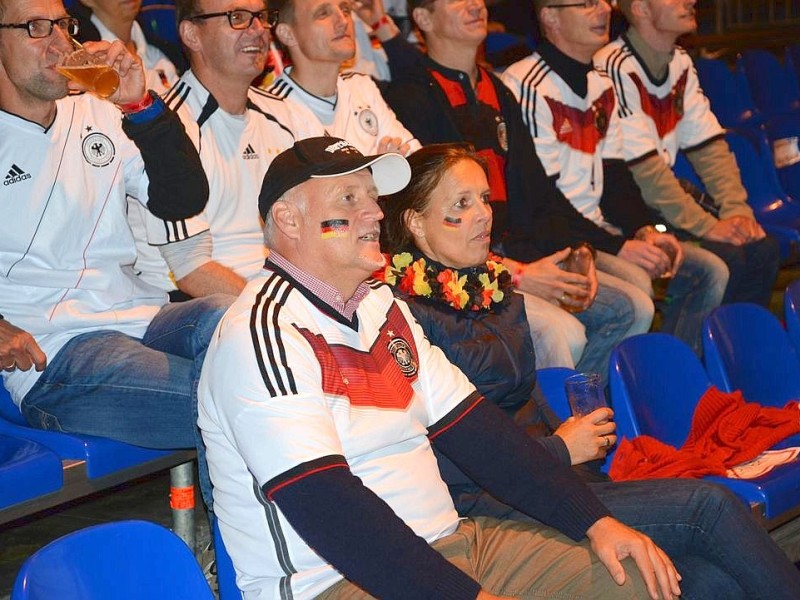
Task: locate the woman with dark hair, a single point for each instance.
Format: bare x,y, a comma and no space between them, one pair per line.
437,234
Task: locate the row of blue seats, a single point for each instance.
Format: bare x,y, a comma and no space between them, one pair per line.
40,469
758,101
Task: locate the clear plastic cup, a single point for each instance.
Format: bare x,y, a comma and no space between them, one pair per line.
584,393
90,71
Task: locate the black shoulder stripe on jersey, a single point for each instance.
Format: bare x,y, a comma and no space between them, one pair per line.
175,91
529,92
280,89
266,336
704,143
451,418
269,117
278,539
266,93
614,69
209,108
181,98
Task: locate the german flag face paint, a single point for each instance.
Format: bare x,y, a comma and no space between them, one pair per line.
452,222
335,228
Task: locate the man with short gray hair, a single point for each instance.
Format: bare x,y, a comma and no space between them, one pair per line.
320,400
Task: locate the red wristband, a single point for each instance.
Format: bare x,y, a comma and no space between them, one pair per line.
384,20
135,107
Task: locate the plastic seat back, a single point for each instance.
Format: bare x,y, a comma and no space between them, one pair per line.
774,91
125,560
775,210
226,575
728,92
160,20
656,381
783,132
103,456
747,349
791,313
27,470
551,382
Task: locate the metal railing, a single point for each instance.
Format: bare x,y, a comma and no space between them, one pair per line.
738,15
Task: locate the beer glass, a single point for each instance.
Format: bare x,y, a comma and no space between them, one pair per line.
580,260
90,71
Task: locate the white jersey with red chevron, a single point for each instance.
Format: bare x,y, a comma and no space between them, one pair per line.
288,383
572,134
658,116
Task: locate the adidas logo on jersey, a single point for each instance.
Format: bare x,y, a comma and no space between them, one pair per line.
249,153
15,175
566,128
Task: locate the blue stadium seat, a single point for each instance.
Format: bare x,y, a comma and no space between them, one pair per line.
125,560
774,89
102,456
783,133
776,211
747,349
226,575
656,382
551,382
160,20
791,313
791,60
27,470
729,94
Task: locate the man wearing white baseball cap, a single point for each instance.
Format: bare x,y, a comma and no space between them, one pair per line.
319,401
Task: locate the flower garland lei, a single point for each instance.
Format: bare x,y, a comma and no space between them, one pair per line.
478,288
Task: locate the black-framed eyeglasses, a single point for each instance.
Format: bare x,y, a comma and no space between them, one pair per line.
42,28
585,4
241,18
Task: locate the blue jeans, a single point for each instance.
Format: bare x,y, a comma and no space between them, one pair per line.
561,339
716,545
753,269
141,392
696,289
612,317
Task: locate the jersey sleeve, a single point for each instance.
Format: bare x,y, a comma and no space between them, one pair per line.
699,124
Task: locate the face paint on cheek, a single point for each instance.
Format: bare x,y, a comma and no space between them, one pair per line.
334,228
451,222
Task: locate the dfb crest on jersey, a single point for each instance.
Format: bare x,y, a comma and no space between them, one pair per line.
403,356
600,118
368,121
502,134
98,149
677,103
